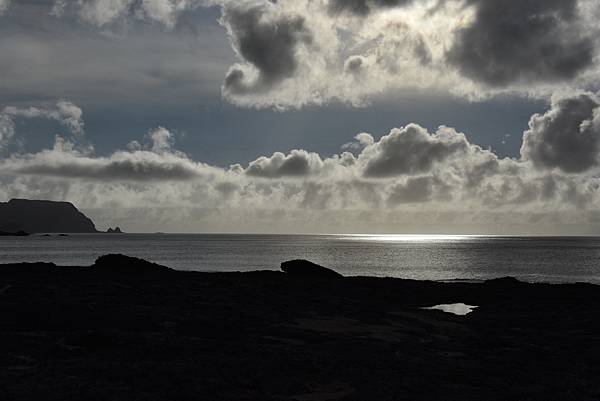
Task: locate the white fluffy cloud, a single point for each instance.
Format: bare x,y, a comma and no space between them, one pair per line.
410,177
567,136
64,112
102,13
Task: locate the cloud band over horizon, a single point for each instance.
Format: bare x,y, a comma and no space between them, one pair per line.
408,172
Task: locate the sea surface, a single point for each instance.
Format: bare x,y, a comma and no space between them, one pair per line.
535,259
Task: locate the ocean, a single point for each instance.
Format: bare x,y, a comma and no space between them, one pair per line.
422,257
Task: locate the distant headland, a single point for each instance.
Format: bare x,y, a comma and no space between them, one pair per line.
42,216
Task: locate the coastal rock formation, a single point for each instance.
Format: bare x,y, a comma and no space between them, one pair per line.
74,333
116,230
118,263
306,268
41,216
13,234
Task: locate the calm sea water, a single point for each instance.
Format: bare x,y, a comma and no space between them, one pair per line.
551,259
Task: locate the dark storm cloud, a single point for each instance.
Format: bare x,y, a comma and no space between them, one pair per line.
567,136
297,164
265,39
363,7
411,150
534,40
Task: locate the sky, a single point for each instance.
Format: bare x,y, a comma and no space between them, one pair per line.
306,116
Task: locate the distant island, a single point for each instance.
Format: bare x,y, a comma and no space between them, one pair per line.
42,216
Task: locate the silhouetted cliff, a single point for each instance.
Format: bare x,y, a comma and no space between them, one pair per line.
35,216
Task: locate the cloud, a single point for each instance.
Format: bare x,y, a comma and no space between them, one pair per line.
4,4
522,41
295,53
471,48
157,164
410,150
363,7
567,136
267,40
103,12
297,164
7,129
409,178
164,11
162,140
64,112
414,190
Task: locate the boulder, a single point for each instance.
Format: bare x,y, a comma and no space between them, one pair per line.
305,268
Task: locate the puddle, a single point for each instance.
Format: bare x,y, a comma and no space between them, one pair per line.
456,309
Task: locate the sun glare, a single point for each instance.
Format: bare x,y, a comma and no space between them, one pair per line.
408,237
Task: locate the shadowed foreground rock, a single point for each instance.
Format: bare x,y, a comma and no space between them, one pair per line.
71,333
13,234
308,269
118,263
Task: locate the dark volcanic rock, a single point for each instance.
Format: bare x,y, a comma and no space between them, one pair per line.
15,234
26,268
117,263
74,334
507,281
40,216
305,268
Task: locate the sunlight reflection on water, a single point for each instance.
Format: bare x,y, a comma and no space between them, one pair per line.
418,257
408,238
459,309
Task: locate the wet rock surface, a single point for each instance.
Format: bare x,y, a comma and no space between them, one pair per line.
71,333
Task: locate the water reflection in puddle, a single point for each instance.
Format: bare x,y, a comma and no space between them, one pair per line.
457,309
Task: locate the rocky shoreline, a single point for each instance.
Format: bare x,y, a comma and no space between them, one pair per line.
126,329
